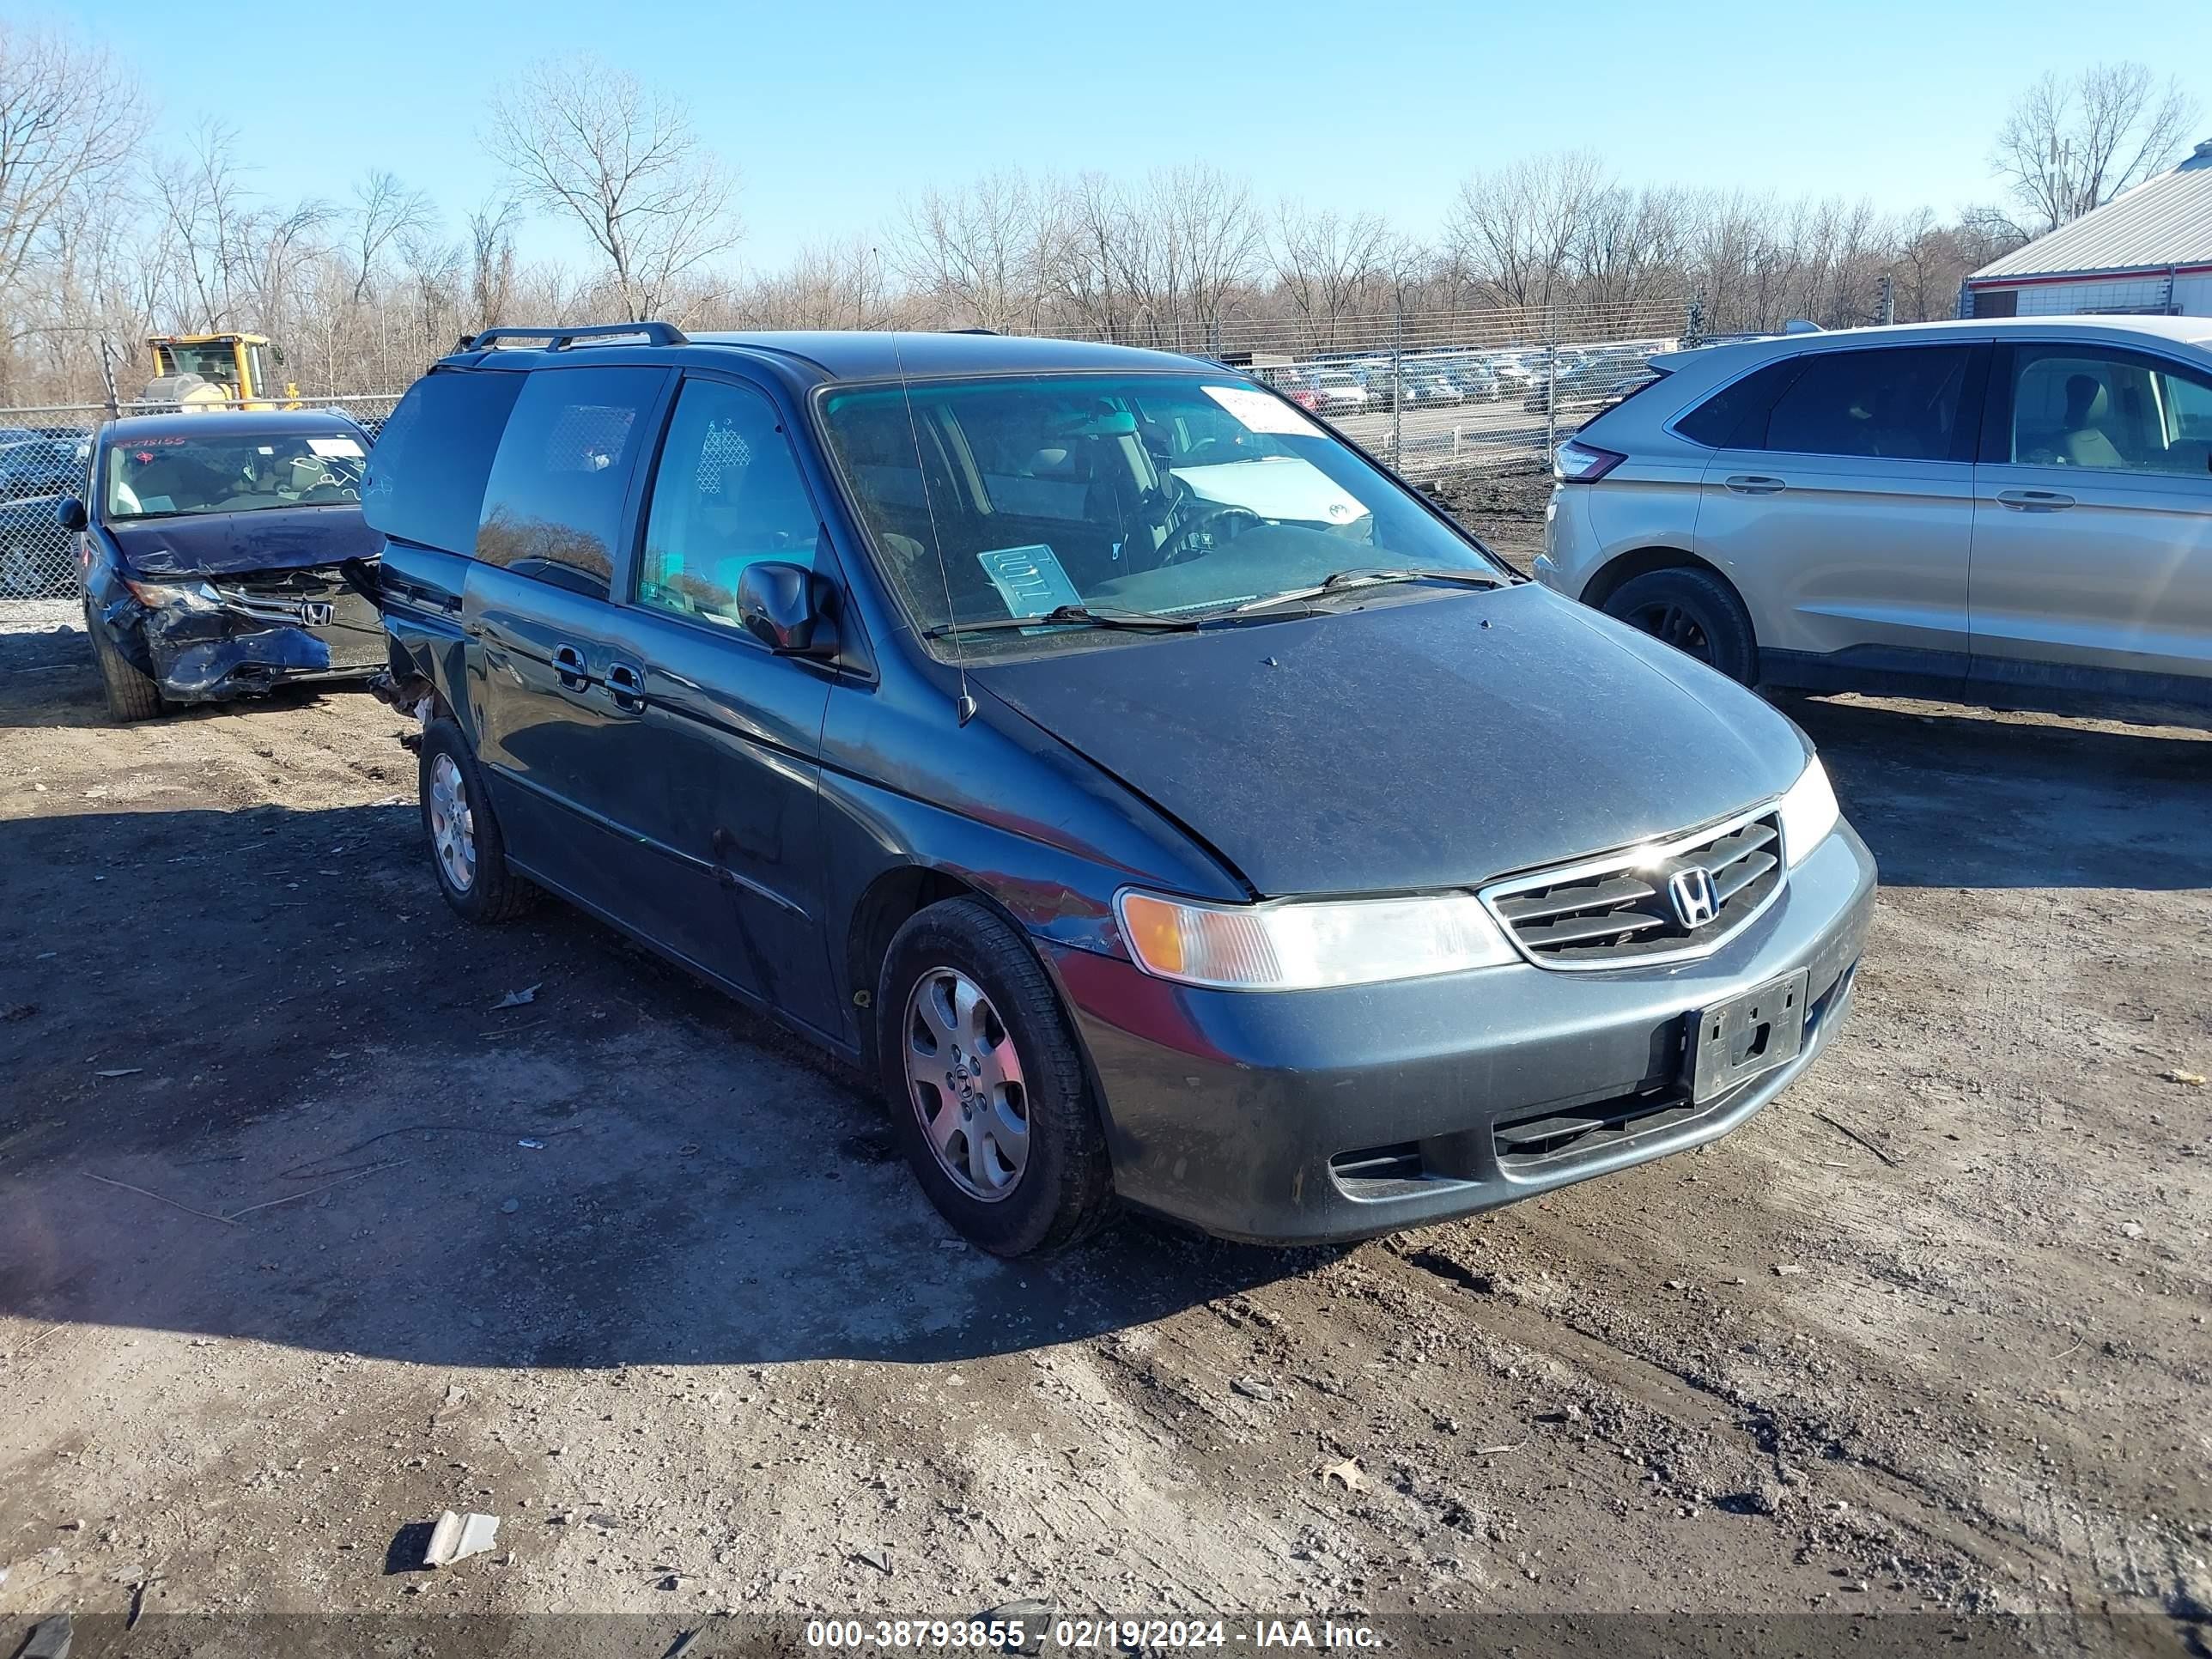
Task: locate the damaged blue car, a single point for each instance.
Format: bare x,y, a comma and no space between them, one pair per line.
225,554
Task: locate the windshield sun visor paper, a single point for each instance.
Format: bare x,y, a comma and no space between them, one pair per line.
1261,412
1029,579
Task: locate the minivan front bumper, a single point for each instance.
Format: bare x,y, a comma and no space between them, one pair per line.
1315,1115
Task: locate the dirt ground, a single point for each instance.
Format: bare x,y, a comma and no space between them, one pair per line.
646,1279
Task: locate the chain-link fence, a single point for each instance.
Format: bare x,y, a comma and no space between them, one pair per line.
45,455
1427,393
1492,390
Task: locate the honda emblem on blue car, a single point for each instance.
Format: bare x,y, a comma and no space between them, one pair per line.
1690,892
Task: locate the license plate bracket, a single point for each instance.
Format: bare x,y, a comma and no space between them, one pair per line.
1731,1043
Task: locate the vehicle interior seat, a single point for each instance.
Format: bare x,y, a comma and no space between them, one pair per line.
2083,440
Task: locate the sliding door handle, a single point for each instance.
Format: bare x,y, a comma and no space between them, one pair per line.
2035,500
1754,483
626,687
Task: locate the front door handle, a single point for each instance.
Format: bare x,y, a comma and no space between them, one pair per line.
569,668
626,686
1754,483
2035,500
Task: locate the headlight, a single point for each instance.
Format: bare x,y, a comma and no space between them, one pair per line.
174,595
1808,812
1305,945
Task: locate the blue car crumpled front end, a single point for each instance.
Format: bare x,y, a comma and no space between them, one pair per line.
220,607
1322,1115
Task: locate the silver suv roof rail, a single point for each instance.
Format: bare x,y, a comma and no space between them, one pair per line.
559,337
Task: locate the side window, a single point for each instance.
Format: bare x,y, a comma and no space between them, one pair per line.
426,472
1894,403
727,494
553,507
2110,411
1736,415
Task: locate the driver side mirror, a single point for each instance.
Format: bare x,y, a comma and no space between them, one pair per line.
69,514
782,606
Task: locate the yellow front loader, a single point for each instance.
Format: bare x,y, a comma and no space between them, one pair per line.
211,372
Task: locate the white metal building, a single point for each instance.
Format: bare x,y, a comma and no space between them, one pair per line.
2150,251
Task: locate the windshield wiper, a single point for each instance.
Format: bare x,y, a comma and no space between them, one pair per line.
1336,580
1071,615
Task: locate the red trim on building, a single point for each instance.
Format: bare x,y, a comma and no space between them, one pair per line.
2138,274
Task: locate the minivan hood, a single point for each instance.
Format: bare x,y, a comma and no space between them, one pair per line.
219,543
1430,743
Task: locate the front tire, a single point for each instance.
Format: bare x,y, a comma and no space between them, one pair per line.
467,850
130,694
1696,612
989,1097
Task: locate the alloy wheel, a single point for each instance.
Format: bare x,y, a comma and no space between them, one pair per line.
1676,626
966,1082
452,826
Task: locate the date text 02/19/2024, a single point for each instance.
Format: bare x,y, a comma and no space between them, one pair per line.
1091,1634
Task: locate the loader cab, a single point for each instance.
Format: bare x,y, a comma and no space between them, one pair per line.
219,371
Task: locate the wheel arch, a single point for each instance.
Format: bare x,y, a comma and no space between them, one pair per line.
885,905
1625,567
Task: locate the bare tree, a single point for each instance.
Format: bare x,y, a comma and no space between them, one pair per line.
1517,229
1087,263
71,116
385,211
981,250
1325,262
582,138
828,285
491,260
1198,238
2071,143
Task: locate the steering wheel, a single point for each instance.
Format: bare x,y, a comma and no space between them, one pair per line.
1178,541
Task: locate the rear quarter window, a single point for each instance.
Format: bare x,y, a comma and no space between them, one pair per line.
426,475
1736,414
553,505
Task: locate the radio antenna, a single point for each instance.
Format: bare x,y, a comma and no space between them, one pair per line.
966,707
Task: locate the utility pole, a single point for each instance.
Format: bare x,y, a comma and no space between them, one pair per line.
107,378
1888,300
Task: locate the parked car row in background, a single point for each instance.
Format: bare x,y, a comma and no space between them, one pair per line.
1540,379
37,467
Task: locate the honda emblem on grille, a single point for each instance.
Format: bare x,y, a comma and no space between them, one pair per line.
1690,892
315,613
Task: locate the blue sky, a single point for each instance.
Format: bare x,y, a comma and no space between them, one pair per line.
833,111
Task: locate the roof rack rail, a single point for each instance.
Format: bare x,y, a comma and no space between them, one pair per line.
993,331
560,337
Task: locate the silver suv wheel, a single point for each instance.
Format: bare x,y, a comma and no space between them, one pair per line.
964,1080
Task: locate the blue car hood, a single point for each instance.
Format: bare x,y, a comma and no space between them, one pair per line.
1435,742
228,544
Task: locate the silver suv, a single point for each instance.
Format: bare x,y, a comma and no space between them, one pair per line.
2014,511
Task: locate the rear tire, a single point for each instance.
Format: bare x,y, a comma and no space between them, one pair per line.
1696,612
995,1079
130,694
467,851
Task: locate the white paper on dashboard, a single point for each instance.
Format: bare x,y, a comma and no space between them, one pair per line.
1261,413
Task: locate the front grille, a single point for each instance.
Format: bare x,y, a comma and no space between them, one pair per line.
1616,912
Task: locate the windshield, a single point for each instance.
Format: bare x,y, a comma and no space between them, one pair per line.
215,362
1164,494
232,472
